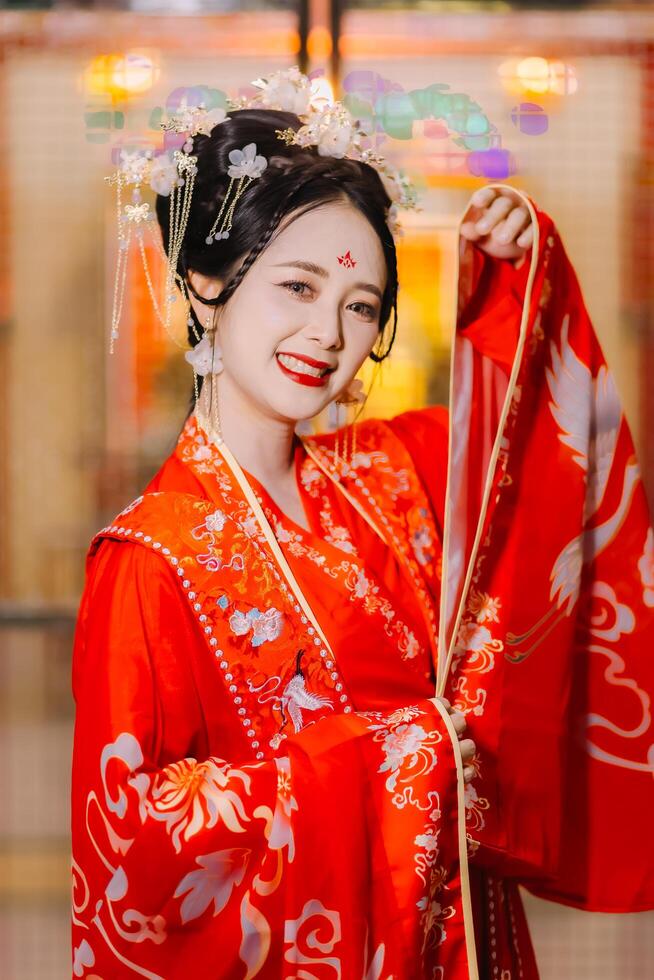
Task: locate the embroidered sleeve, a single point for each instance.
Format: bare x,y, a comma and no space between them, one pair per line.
199,865
424,434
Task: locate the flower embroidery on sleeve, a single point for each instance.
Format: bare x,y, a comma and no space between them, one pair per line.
189,795
264,626
483,607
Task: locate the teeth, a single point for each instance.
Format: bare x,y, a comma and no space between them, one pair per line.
300,367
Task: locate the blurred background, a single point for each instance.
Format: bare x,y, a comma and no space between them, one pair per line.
557,99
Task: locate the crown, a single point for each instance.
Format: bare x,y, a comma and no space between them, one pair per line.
328,126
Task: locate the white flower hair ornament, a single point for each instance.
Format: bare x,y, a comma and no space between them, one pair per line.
206,357
328,126
246,166
169,175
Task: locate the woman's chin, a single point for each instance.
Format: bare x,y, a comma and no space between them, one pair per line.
304,405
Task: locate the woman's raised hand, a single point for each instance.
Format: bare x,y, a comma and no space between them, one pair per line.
498,223
467,746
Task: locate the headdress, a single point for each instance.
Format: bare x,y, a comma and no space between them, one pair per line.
328,126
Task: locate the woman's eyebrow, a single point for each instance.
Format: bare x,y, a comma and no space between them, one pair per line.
319,271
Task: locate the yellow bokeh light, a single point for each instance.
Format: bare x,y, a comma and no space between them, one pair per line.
533,74
120,75
537,76
319,44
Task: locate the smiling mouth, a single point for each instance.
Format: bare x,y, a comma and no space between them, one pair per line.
301,367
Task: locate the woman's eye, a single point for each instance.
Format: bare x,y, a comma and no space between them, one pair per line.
367,310
296,282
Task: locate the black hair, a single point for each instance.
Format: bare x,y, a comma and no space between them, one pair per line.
297,179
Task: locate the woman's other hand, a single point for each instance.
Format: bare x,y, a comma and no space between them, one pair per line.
467,746
499,224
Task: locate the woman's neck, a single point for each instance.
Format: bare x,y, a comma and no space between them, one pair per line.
263,446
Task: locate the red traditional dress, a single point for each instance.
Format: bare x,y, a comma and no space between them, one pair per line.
261,786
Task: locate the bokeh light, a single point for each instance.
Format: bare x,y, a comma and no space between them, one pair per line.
120,75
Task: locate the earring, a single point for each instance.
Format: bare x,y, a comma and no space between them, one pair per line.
351,397
206,360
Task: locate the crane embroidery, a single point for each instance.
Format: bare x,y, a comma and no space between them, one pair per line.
296,697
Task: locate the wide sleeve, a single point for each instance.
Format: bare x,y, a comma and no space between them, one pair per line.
548,619
492,302
187,863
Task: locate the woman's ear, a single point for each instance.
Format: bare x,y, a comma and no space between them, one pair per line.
203,285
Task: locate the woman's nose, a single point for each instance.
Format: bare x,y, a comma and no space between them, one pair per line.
325,329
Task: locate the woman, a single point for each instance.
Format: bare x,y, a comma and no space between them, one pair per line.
263,782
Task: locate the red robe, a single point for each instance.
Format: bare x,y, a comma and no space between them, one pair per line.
236,794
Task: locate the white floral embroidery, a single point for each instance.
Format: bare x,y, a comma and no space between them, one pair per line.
213,882
421,541
281,831
402,714
190,796
250,526
475,806
264,626
409,645
405,741
239,623
312,480
476,644
194,449
361,460
363,585
216,521
83,956
281,533
483,607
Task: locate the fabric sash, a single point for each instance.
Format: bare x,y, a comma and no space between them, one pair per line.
547,608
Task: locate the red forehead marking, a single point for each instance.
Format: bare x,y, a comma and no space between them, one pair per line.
347,260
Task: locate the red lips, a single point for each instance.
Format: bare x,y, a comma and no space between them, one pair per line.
311,361
305,379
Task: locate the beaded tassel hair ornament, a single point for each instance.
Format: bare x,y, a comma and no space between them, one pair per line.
325,125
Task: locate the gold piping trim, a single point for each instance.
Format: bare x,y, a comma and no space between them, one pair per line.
355,503
440,687
466,900
235,467
402,562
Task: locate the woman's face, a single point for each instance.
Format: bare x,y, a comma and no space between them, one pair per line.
293,338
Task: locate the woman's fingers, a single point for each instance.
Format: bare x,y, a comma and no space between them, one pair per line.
483,196
498,223
468,749
526,239
458,718
509,229
459,722
467,746
498,210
